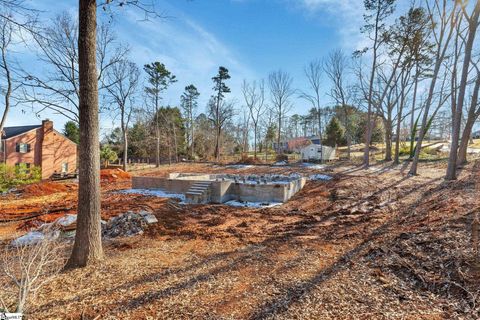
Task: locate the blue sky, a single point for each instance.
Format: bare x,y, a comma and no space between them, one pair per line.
249,37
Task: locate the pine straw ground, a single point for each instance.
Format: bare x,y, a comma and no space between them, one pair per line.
369,244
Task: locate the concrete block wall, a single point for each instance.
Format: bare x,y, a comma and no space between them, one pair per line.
170,185
222,191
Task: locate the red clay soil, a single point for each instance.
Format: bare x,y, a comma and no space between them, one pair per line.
114,175
46,187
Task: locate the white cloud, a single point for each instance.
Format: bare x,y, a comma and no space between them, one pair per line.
346,15
188,50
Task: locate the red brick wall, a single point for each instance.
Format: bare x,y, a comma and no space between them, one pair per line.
48,149
34,156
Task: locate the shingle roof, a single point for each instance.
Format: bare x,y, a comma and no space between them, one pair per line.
15,131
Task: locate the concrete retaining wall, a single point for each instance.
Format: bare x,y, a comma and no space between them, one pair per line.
222,191
170,185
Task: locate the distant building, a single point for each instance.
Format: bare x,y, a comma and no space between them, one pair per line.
317,152
295,144
38,145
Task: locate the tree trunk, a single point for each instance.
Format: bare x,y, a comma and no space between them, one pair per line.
87,247
472,117
8,93
368,132
412,115
462,150
347,130
279,130
125,150
399,125
457,120
157,151
319,122
175,142
388,140
255,142
192,137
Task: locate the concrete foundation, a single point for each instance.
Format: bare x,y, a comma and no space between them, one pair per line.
217,188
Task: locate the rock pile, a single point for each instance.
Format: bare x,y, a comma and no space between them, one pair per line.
127,224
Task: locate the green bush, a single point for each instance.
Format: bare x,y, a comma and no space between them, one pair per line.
14,176
107,155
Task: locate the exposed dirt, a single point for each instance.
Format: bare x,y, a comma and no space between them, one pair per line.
46,188
368,244
114,175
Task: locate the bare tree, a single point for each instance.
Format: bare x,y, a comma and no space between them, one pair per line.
280,93
159,78
244,125
335,68
221,112
219,115
29,266
6,32
124,78
58,89
18,14
254,96
473,114
313,72
442,32
473,23
378,10
189,105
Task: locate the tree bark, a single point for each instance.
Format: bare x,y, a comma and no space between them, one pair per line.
87,248
412,115
399,123
157,151
125,150
368,132
440,56
8,92
388,139
7,98
473,114
457,120
255,141
279,130
217,144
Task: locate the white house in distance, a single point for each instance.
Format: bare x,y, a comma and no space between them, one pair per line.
317,152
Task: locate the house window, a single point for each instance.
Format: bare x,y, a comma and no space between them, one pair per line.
23,147
64,167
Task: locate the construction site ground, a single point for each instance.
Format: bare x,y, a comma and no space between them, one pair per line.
369,244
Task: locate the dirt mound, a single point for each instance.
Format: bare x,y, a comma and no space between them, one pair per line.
45,188
114,175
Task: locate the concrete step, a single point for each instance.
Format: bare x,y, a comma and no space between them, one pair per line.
202,182
193,193
200,187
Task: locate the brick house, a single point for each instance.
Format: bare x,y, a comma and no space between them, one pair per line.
39,145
